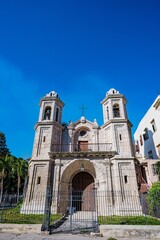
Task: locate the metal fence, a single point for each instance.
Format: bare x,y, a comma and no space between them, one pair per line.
77,209
83,146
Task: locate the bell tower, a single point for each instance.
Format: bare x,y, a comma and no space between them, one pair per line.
48,130
117,127
48,133
117,130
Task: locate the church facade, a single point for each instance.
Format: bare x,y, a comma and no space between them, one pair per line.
82,156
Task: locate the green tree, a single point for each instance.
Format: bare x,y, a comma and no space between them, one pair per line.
153,197
157,168
13,171
22,171
2,176
4,152
10,179
6,169
3,146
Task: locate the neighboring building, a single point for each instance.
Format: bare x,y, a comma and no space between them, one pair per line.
82,155
147,141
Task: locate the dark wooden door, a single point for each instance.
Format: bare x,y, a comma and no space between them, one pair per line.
83,199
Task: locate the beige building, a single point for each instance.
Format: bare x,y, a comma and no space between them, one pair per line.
82,156
147,142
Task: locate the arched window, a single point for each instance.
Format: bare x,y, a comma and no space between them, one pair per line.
47,113
116,112
57,114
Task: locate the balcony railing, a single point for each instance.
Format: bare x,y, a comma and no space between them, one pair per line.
82,147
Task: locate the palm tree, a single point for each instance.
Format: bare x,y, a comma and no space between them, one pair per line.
4,169
13,168
22,169
2,174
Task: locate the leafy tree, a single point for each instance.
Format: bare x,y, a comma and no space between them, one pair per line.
21,172
3,146
10,170
157,168
13,171
4,170
17,171
153,197
2,175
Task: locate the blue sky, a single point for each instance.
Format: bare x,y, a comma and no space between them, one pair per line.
80,49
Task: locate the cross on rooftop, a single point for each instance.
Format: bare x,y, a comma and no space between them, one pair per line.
82,108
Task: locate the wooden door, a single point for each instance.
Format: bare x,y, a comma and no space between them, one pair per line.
83,198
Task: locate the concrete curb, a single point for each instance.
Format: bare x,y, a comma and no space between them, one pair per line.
20,228
116,231
130,231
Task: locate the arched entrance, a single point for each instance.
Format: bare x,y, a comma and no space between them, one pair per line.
76,179
82,192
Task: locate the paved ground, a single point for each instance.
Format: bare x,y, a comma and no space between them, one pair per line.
9,236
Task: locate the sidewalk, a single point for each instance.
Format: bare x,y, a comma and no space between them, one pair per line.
11,236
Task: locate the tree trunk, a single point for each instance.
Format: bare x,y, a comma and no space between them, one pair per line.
18,187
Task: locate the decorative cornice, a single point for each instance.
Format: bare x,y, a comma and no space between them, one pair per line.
53,98
48,123
114,96
117,120
42,161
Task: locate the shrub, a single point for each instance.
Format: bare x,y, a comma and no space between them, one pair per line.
153,198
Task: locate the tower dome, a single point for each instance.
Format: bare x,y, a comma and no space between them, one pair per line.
52,94
112,91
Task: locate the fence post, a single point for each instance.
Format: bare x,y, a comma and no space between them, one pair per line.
94,209
46,219
71,211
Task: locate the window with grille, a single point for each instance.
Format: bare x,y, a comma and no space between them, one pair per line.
141,141
158,150
150,154
145,135
137,146
153,125
154,172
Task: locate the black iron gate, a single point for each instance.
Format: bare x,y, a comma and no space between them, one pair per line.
80,214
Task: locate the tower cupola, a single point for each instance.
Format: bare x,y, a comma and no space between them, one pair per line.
51,108
114,106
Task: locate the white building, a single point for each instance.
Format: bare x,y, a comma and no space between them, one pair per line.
82,155
147,140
